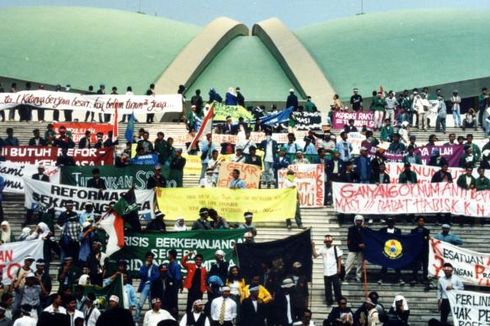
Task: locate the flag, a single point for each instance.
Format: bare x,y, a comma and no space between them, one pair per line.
102,294
277,118
204,127
130,128
391,250
126,203
381,90
113,225
285,251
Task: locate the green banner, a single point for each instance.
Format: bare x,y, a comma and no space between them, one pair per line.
115,178
203,242
103,294
221,111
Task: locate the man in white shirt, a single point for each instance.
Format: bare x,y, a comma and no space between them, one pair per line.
447,282
155,315
332,262
25,319
90,311
196,316
224,309
71,310
238,157
391,104
56,306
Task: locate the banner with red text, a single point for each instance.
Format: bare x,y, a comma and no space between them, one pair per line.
12,255
13,174
78,129
470,266
310,181
48,155
340,119
127,104
421,198
425,172
248,173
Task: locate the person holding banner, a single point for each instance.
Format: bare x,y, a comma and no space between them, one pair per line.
269,146
289,182
447,282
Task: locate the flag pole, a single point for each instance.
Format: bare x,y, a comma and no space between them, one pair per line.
364,272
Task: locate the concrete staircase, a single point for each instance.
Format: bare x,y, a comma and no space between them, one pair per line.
322,221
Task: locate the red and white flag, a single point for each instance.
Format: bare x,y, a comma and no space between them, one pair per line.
113,225
205,127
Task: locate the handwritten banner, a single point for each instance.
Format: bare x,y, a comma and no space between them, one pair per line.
255,137
340,119
469,308
248,173
308,120
126,104
48,155
421,198
425,172
470,266
78,129
56,196
14,253
452,154
266,204
310,180
14,173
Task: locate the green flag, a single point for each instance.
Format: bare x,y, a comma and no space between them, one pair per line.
102,294
126,204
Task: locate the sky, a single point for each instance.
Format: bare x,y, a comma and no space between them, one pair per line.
294,13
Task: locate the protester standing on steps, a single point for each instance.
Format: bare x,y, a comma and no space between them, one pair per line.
332,268
195,281
289,182
447,282
355,245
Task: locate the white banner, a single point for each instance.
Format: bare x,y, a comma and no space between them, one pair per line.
12,255
421,198
96,103
14,173
425,172
469,308
310,181
56,195
470,266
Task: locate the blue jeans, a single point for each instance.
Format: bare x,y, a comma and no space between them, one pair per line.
145,294
457,117
268,173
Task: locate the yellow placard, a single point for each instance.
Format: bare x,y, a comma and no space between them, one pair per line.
266,204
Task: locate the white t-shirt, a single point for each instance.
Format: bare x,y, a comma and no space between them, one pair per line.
152,318
329,260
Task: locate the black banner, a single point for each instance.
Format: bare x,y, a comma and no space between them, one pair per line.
286,251
308,120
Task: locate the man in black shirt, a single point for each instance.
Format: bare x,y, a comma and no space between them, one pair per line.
423,258
40,174
64,159
96,181
356,100
37,140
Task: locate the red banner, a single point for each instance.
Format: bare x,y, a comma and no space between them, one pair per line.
48,155
77,129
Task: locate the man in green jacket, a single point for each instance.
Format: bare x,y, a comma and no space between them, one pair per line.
407,176
482,182
378,106
467,181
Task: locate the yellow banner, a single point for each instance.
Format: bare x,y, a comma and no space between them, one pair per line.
266,204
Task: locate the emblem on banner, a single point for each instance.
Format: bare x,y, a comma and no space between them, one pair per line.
393,249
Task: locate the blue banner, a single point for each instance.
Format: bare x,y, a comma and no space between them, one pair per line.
276,118
390,250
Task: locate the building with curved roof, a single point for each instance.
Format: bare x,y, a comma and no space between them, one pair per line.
398,50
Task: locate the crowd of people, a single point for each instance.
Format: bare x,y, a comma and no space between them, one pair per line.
280,295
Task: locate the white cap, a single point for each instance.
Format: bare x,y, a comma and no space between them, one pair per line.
114,298
287,283
248,235
358,218
84,280
291,90
486,152
86,224
405,124
220,252
30,274
225,288
4,223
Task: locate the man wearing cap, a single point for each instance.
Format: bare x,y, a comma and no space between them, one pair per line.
248,237
90,311
446,236
195,281
447,282
31,293
115,315
292,100
248,225
157,179
356,100
219,267
300,158
37,140
43,276
159,289
96,181
283,304
355,245
363,166
196,317
223,309
252,310
202,223
332,268
156,314
148,273
407,175
20,279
